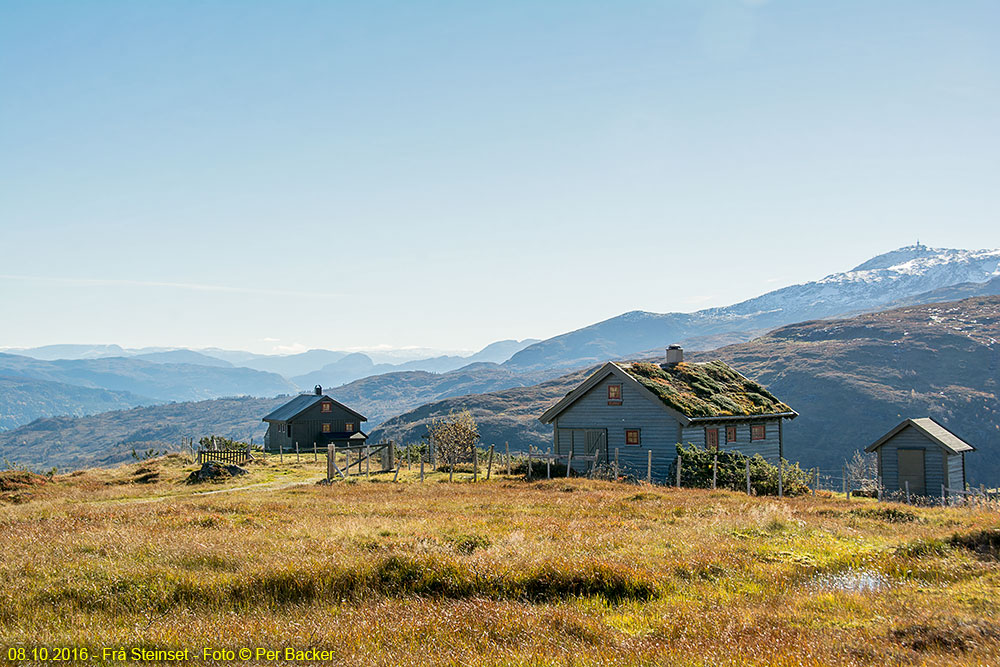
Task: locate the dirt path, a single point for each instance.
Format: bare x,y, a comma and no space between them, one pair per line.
264,486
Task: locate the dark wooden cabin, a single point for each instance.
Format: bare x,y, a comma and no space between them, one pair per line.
313,418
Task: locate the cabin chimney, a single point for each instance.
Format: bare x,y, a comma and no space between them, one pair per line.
675,355
319,390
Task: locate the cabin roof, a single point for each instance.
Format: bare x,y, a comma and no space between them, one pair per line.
300,404
932,430
689,392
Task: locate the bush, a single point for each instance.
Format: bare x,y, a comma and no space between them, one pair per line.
697,464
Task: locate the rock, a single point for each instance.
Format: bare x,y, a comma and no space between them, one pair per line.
213,471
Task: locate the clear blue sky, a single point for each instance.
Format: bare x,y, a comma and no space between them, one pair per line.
277,175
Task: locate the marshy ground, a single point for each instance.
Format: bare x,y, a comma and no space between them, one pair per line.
496,573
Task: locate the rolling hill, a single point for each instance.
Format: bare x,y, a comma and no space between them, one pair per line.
23,400
850,380
108,438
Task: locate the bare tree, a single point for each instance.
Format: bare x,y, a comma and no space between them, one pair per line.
455,437
863,471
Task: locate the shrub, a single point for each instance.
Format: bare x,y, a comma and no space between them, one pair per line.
697,465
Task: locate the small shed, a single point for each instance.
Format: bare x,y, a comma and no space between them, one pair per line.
313,418
923,453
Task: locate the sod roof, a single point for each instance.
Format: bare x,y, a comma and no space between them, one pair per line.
711,389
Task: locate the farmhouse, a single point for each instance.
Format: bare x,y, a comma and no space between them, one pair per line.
643,407
921,455
313,418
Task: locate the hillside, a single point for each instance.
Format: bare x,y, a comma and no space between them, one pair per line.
499,572
109,438
70,443
24,399
883,280
850,380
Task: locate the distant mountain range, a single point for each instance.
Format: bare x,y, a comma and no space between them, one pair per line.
23,400
153,380
851,380
911,273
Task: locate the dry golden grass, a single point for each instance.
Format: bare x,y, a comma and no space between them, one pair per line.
498,573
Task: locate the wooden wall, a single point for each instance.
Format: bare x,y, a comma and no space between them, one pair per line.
935,460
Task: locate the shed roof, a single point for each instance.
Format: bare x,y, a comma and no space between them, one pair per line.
689,392
932,430
300,404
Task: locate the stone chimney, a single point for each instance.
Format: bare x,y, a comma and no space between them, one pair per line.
318,390
675,355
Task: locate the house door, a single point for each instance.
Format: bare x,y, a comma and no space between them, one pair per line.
597,443
911,469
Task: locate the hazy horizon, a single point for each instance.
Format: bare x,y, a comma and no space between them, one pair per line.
281,177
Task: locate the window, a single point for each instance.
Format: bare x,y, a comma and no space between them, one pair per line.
711,438
730,434
326,428
758,432
326,406
614,394
632,436
349,427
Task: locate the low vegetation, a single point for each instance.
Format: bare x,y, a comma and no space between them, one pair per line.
501,572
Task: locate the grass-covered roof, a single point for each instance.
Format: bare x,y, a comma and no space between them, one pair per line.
712,389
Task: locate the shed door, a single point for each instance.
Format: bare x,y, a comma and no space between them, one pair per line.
911,469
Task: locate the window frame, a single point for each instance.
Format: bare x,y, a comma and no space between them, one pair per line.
758,428
326,406
348,427
731,430
638,437
614,397
327,427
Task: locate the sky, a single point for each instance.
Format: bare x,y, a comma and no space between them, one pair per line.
278,176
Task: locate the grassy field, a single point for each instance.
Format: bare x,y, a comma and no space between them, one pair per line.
503,572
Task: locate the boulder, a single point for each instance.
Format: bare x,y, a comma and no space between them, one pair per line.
213,471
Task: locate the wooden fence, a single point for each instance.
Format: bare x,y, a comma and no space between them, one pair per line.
236,456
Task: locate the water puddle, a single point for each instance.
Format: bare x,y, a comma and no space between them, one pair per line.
851,581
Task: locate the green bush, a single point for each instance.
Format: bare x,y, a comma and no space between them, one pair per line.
697,464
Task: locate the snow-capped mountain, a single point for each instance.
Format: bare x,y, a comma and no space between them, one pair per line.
900,275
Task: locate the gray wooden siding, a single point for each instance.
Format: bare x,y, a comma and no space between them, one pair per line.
657,429
956,478
768,447
935,460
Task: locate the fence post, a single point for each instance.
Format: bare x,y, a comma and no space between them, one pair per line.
569,463
398,466
649,466
748,476
906,484
368,461
715,469
392,456
281,453
489,466
297,451
678,471
548,463
616,464
781,477
942,496
815,480
330,453
475,464
507,447
529,463
843,479
421,467
878,481
451,466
